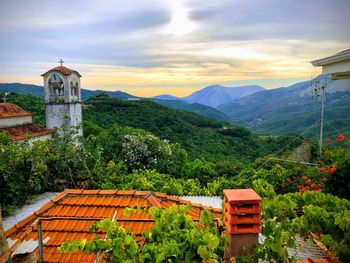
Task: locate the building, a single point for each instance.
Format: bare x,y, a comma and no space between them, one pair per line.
337,66
17,124
69,215
62,98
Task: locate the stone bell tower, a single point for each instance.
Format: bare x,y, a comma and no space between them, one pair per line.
62,98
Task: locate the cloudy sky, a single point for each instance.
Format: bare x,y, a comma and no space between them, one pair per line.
150,47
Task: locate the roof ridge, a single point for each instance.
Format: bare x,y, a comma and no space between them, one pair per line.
153,200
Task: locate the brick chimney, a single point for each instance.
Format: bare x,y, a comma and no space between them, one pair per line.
242,221
3,241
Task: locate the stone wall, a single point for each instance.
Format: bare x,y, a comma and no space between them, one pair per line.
63,115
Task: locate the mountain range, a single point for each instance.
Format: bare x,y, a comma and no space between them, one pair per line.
215,95
38,91
266,112
293,109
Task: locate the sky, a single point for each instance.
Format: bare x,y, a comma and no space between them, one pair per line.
152,47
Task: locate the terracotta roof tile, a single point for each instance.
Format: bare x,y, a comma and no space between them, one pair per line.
70,214
18,133
58,197
8,110
63,70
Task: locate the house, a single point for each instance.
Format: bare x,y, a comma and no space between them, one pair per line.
17,124
337,66
69,215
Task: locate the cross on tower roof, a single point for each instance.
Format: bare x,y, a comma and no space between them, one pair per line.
5,97
61,62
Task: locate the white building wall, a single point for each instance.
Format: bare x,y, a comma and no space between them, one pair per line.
15,121
343,66
60,115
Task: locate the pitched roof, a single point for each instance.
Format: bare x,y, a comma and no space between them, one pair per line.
64,70
69,215
8,110
18,133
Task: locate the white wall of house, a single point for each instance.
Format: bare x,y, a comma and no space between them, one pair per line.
343,66
15,121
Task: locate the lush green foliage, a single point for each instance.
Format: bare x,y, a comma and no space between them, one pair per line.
199,136
177,238
119,157
336,161
313,211
174,237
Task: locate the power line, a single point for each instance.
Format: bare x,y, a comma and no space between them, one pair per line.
296,137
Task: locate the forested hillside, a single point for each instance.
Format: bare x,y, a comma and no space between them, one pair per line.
200,136
200,109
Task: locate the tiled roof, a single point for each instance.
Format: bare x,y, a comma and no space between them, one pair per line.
8,110
18,133
214,201
69,215
64,70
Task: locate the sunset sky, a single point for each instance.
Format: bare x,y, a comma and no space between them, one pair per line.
151,47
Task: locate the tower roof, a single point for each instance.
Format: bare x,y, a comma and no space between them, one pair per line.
8,110
64,70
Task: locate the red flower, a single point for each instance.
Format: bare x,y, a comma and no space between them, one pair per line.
288,179
304,189
304,177
308,182
328,140
323,169
317,187
340,138
332,169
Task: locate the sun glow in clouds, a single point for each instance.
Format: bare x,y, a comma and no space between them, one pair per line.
180,24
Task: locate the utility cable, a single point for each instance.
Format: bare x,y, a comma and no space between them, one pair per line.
296,137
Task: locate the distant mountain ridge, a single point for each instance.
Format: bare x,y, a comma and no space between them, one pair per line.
200,109
165,100
166,97
215,95
38,91
292,109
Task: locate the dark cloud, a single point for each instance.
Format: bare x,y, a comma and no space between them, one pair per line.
274,19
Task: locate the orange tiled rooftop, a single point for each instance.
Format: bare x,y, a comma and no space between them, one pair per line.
8,110
64,70
69,215
18,133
